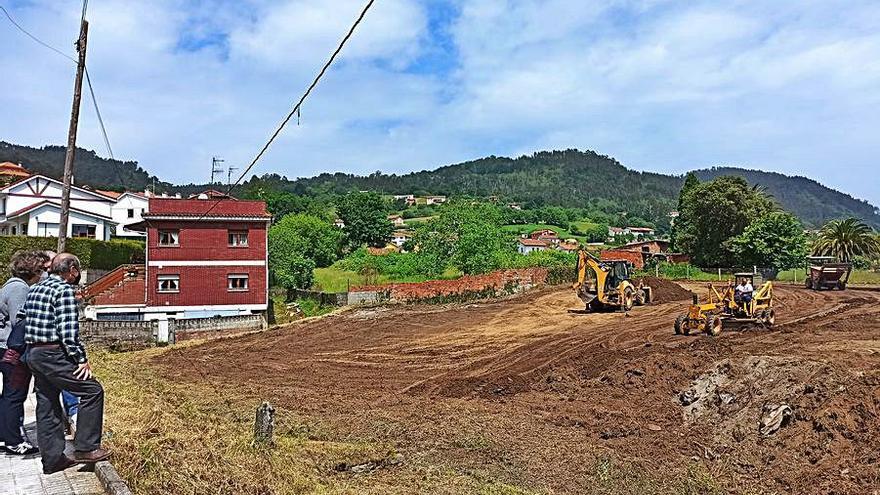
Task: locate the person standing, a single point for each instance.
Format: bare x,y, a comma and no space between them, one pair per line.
26,269
58,361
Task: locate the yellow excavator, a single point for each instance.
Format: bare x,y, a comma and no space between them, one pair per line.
606,284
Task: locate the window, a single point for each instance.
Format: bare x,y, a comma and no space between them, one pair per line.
131,213
238,238
81,230
237,283
169,237
13,230
47,229
169,283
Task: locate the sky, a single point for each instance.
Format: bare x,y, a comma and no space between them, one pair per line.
665,86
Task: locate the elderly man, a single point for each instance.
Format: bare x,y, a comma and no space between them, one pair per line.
58,361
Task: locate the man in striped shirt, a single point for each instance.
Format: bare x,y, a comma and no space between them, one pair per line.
59,362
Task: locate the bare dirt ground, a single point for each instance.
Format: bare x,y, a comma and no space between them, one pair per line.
525,392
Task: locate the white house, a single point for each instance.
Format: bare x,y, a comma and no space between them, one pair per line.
128,210
435,200
396,220
32,206
527,245
400,237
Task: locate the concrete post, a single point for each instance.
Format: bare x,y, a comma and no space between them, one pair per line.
162,333
264,425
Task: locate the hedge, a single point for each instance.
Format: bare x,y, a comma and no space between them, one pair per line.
101,255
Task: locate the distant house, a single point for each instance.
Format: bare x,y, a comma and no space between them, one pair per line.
396,220
339,223
435,200
128,210
409,199
399,237
617,231
638,253
545,235
527,245
641,232
514,206
568,247
10,172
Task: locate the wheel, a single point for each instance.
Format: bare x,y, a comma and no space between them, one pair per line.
771,317
680,324
841,285
713,325
628,299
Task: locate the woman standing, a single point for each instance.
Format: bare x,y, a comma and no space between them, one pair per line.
26,268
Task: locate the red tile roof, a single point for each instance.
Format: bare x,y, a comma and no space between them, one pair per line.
533,242
161,207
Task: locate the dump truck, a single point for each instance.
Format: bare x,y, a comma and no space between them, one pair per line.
825,272
722,308
607,284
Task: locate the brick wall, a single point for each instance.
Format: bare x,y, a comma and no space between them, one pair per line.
207,241
635,257
469,286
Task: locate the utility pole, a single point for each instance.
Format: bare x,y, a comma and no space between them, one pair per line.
71,135
215,168
229,175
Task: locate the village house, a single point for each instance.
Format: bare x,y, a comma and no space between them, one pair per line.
435,200
408,199
204,258
638,253
128,209
527,245
641,232
399,237
32,207
545,235
396,220
339,223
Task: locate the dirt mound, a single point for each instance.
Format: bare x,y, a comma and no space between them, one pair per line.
666,290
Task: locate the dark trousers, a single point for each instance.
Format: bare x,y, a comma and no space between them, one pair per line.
53,372
16,381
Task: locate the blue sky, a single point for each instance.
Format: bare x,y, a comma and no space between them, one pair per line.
667,86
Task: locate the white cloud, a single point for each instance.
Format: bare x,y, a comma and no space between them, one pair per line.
661,85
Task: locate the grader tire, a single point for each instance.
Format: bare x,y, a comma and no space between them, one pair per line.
628,299
771,317
713,325
680,324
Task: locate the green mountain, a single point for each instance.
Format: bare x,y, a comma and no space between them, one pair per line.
89,168
569,178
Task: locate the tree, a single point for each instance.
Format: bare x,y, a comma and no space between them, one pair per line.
467,236
714,212
366,220
297,273
304,236
775,241
846,239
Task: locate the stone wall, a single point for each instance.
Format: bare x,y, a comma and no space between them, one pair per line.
123,334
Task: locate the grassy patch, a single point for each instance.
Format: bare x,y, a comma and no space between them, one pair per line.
332,279
528,228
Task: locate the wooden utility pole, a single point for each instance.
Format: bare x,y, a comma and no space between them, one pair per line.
71,135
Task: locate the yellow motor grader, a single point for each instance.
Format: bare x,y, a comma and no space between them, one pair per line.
606,284
725,307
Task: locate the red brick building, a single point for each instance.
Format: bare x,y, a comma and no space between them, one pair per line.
204,257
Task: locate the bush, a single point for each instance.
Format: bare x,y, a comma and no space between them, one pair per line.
101,255
297,274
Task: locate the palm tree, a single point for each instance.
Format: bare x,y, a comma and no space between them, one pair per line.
845,239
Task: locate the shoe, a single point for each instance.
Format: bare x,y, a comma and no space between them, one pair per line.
62,464
96,455
24,448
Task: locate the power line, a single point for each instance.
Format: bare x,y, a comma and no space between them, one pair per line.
88,82
296,108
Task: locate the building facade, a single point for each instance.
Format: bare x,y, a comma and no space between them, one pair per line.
204,258
128,210
32,207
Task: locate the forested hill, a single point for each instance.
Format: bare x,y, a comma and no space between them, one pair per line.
808,199
564,178
89,168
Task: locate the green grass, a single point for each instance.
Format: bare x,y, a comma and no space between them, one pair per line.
867,277
332,279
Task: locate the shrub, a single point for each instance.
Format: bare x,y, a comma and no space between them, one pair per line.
102,255
298,273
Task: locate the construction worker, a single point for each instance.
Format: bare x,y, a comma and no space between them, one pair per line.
743,292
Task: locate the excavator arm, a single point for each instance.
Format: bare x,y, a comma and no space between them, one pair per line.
585,288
